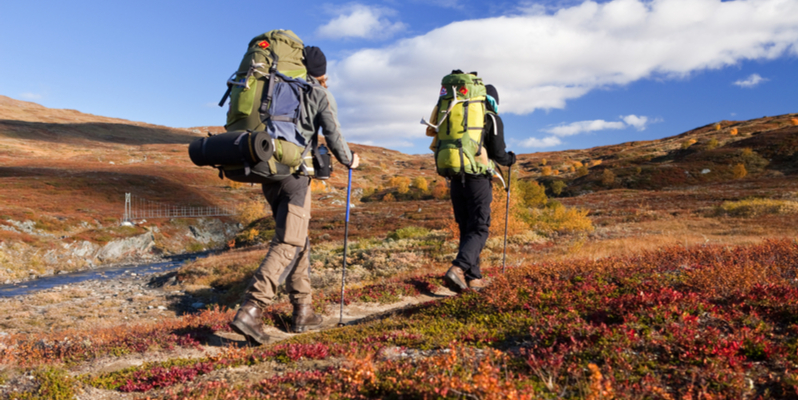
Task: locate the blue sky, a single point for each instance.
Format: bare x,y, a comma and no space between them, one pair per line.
571,74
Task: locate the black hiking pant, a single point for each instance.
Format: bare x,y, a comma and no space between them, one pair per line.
472,206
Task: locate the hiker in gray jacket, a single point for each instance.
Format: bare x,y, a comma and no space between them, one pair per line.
290,200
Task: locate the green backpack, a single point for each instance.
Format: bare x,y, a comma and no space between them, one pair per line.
459,125
281,49
266,94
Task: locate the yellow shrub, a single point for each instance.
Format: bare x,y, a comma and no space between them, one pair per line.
596,162
546,171
401,183
717,127
561,219
532,193
233,184
421,184
739,171
687,143
758,207
251,234
251,210
516,225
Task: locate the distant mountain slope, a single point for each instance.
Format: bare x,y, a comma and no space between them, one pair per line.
706,154
31,121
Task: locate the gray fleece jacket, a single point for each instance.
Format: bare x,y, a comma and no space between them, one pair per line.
321,112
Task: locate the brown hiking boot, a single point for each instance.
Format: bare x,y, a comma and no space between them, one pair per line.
247,322
454,278
304,318
477,284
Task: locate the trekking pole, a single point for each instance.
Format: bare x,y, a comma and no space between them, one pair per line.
344,258
508,201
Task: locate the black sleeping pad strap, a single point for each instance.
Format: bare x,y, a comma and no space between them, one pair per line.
466,116
264,109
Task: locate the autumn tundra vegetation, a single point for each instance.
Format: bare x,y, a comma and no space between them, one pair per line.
659,269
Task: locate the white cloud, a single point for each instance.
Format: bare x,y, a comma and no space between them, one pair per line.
30,96
575,128
584,126
751,81
541,60
637,122
549,141
361,21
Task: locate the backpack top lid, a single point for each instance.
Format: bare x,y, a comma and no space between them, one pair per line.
285,45
463,86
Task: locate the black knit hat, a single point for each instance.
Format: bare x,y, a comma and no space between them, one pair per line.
315,61
491,91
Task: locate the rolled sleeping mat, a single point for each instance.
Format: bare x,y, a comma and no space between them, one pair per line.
262,146
231,148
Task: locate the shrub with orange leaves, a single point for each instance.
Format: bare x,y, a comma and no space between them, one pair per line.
440,190
734,131
318,186
739,171
516,225
546,171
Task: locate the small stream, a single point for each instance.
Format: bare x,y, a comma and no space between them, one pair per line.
49,282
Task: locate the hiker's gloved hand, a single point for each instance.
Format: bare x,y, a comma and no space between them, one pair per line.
513,158
354,164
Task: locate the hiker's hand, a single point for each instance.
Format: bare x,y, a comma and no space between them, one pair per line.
513,157
354,164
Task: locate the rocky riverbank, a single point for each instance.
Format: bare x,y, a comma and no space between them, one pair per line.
130,297
34,253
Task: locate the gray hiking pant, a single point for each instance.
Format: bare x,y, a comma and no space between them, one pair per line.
290,200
